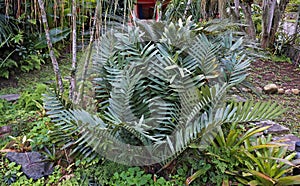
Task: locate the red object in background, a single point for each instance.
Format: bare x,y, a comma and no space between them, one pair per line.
144,9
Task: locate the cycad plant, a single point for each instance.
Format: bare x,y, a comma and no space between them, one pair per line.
151,89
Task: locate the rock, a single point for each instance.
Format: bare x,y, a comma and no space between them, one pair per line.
258,90
288,139
295,91
274,128
270,88
280,91
288,91
246,90
234,89
33,164
5,130
10,97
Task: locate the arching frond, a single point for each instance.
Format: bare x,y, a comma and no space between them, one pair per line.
205,55
155,98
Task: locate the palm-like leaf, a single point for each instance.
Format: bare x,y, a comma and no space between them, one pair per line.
158,96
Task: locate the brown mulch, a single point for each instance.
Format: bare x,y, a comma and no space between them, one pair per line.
283,74
286,76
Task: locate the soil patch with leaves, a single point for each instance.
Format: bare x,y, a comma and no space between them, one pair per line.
285,75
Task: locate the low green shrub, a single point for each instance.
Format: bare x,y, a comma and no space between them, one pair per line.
237,155
31,100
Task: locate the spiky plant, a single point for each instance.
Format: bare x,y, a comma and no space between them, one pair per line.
151,90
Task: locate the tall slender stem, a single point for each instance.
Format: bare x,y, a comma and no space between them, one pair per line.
59,82
74,53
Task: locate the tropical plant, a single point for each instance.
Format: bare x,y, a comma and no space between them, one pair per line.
243,156
21,143
31,100
152,91
223,148
9,171
268,163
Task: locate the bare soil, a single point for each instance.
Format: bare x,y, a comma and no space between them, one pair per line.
287,76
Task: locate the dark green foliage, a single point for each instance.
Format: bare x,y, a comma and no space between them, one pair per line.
39,133
11,174
9,171
7,28
4,105
136,176
96,171
32,100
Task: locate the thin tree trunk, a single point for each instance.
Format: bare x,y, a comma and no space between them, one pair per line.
236,9
59,82
74,54
272,13
159,11
267,20
204,9
187,7
296,27
250,29
222,9
209,9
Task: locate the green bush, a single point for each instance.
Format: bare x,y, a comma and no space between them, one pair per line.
32,100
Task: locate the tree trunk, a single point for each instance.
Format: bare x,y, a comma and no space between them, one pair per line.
235,13
250,29
222,9
272,13
59,82
74,54
209,8
297,26
204,9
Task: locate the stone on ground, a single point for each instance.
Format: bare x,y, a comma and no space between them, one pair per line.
295,91
280,91
10,97
33,164
274,128
237,98
288,91
288,139
270,88
5,130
